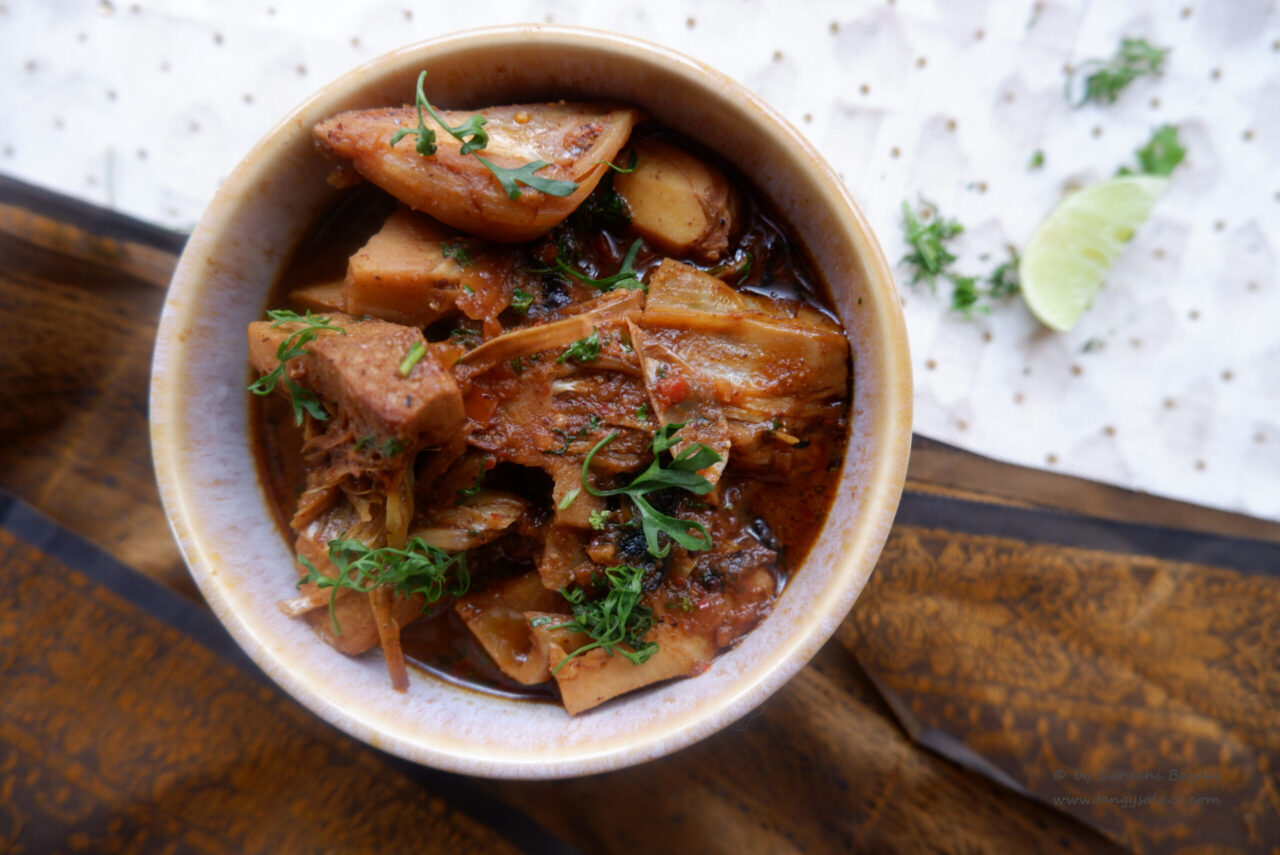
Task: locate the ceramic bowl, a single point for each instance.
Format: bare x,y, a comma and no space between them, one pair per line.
217,505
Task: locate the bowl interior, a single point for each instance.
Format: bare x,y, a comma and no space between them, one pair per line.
218,509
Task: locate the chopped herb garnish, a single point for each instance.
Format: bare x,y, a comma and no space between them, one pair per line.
684,604
468,289
392,447
583,350
521,301
630,167
615,620
965,295
1004,279
642,412
470,133
468,338
598,519
592,425
626,277
1161,155
295,345
568,499
412,358
475,487
517,365
681,472
1104,80
928,255
932,259
1093,344
511,178
364,442
419,568
1037,159
458,252
474,137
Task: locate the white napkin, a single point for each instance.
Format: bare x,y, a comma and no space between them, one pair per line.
145,107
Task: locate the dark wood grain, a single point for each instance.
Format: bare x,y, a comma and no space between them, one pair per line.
822,767
75,355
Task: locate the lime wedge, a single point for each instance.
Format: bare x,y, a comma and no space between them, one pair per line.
1068,257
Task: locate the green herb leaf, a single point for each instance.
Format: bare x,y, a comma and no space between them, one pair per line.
1004,279
295,345
419,568
568,499
598,519
411,358
642,412
681,472
1037,159
521,301
630,167
928,254
475,487
626,277
1104,80
511,178
583,350
458,252
391,447
965,295
470,133
616,621
1161,155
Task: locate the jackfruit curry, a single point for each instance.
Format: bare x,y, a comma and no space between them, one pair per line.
552,405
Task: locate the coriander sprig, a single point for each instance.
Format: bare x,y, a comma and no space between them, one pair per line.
583,350
929,254
1104,80
474,137
470,133
1162,153
612,621
419,568
295,345
932,259
626,278
510,179
681,472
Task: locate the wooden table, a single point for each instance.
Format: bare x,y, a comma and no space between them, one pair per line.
1032,648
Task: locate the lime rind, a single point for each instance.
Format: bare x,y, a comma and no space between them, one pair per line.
1067,259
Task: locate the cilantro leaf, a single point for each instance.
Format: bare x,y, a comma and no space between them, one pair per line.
626,277
614,620
412,358
929,256
1104,80
521,301
458,252
583,350
470,133
1161,155
681,472
295,345
511,178
419,568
